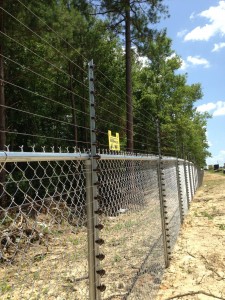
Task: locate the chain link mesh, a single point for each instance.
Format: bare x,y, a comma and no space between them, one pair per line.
132,228
43,226
43,238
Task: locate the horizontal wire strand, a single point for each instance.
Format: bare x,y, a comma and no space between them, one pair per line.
56,33
44,117
42,39
42,96
45,61
43,136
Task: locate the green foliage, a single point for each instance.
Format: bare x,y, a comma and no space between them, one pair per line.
42,62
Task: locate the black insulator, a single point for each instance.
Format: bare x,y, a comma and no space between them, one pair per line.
101,272
99,241
99,226
101,288
100,256
99,212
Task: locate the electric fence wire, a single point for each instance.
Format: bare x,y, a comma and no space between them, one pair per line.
66,56
143,129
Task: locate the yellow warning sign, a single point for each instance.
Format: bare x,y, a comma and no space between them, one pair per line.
114,141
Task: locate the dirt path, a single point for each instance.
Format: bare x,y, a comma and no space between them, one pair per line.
197,269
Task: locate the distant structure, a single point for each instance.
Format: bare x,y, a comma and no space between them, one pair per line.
216,167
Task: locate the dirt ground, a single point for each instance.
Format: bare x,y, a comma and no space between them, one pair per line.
197,268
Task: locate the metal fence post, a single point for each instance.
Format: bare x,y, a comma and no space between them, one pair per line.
193,177
162,197
186,183
90,227
190,180
180,194
96,240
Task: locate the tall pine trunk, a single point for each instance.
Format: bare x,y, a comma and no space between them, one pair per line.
129,103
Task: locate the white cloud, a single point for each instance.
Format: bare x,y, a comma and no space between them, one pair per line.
217,47
182,33
197,60
192,16
217,109
206,107
215,25
184,65
193,61
220,109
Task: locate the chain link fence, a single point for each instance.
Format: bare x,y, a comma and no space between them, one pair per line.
132,227
43,236
46,225
95,225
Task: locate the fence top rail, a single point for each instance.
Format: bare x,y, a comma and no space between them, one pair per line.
149,157
7,156
40,156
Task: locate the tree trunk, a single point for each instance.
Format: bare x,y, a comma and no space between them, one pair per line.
129,103
2,112
74,119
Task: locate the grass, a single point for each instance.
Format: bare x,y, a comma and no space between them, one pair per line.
222,226
117,258
74,241
204,214
207,215
5,287
127,224
213,172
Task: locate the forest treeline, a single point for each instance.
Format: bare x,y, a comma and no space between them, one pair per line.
44,96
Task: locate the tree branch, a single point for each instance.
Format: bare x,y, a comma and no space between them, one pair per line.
103,13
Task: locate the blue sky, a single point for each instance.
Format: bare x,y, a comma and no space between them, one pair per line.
197,28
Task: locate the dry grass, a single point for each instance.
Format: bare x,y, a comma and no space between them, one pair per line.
197,269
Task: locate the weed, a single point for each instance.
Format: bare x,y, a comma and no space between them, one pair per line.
129,224
46,230
118,226
45,291
205,214
57,232
5,287
222,226
39,257
36,275
117,258
75,241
